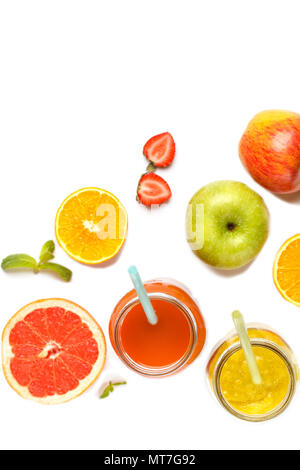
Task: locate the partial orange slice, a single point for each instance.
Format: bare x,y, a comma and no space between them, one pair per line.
286,270
52,351
91,225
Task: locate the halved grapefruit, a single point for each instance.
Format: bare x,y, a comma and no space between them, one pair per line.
52,351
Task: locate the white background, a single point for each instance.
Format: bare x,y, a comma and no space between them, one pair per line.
83,85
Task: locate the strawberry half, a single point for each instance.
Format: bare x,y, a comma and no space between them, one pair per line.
153,190
160,149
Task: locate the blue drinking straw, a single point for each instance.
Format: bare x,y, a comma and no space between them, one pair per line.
142,295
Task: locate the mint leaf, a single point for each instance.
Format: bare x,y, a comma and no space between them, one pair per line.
63,272
26,261
110,388
18,261
47,251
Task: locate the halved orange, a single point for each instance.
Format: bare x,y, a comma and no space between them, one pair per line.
286,270
91,225
52,351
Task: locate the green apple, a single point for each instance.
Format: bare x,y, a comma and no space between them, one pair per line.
227,224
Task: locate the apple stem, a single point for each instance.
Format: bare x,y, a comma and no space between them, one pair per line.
246,346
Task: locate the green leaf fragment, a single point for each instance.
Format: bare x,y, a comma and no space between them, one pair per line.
110,388
151,168
63,272
19,261
47,251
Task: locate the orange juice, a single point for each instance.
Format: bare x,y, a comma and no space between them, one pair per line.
164,348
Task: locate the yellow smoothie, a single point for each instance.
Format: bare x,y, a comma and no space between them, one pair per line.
239,390
230,378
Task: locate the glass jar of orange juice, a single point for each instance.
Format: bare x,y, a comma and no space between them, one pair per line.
170,345
230,379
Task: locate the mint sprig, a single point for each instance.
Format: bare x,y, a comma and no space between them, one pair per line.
110,388
23,261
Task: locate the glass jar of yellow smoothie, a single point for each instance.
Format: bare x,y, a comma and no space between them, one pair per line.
230,379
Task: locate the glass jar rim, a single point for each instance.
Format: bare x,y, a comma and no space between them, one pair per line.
161,371
255,417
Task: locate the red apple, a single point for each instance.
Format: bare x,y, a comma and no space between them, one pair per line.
270,150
